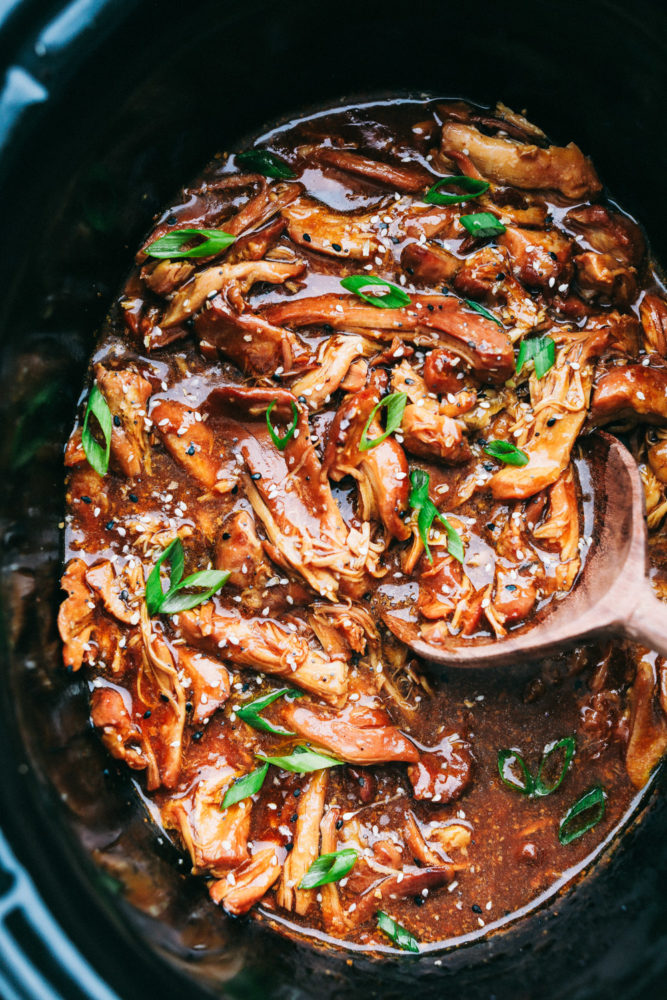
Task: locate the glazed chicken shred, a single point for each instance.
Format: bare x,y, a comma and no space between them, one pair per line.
356,411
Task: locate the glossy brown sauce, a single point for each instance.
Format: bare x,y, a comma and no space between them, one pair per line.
443,845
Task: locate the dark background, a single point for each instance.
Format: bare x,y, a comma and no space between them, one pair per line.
105,110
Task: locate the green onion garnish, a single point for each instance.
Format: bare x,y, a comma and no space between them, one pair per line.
541,350
514,772
250,713
175,244
482,311
398,934
329,868
97,456
282,442
567,745
395,407
583,815
302,761
393,298
482,224
506,452
244,787
471,185
427,512
265,163
171,602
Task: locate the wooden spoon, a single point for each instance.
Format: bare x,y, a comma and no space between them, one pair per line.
613,595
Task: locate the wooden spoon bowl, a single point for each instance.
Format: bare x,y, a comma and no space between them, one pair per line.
613,595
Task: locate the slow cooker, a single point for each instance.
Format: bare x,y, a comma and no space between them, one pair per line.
106,107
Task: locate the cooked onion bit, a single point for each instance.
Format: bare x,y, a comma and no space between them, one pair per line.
427,512
172,601
506,452
244,787
282,442
583,815
395,405
250,713
481,225
329,868
302,761
541,351
264,162
471,185
401,937
97,456
177,243
392,298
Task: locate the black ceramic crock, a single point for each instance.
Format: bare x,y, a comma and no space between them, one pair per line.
106,108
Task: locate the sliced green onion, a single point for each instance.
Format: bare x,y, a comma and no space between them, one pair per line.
401,937
426,514
329,868
265,163
583,815
393,298
508,760
482,224
567,746
540,350
172,601
302,761
250,713
395,408
282,442
506,452
97,455
244,787
471,185
175,244
482,311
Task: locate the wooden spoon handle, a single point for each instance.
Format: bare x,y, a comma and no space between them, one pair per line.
648,622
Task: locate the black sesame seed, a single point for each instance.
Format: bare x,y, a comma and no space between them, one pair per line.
164,697
294,818
188,706
234,490
553,255
289,847
551,421
431,308
488,466
109,525
86,499
190,450
134,498
116,420
500,276
306,237
124,595
226,536
297,793
418,900
147,713
198,735
491,527
476,908
510,586
337,247
256,475
339,824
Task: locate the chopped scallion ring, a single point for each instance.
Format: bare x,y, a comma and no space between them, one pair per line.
244,787
401,937
392,298
265,162
282,442
566,746
540,350
97,456
471,185
508,763
329,868
173,601
427,512
395,408
302,761
250,713
176,244
506,452
482,225
583,815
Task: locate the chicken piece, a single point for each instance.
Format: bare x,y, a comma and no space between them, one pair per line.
240,552
648,727
452,837
564,394
429,263
505,161
443,372
408,882
608,232
424,222
122,738
127,393
334,359
446,592
346,235
539,259
256,245
232,281
332,910
357,735
419,849
241,889
427,430
631,392
443,772
561,528
76,616
291,496
158,668
430,320
306,845
216,838
381,472
601,274
657,459
163,277
487,276
269,201
354,626
400,177
264,645
255,346
653,313
192,444
209,682
102,579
